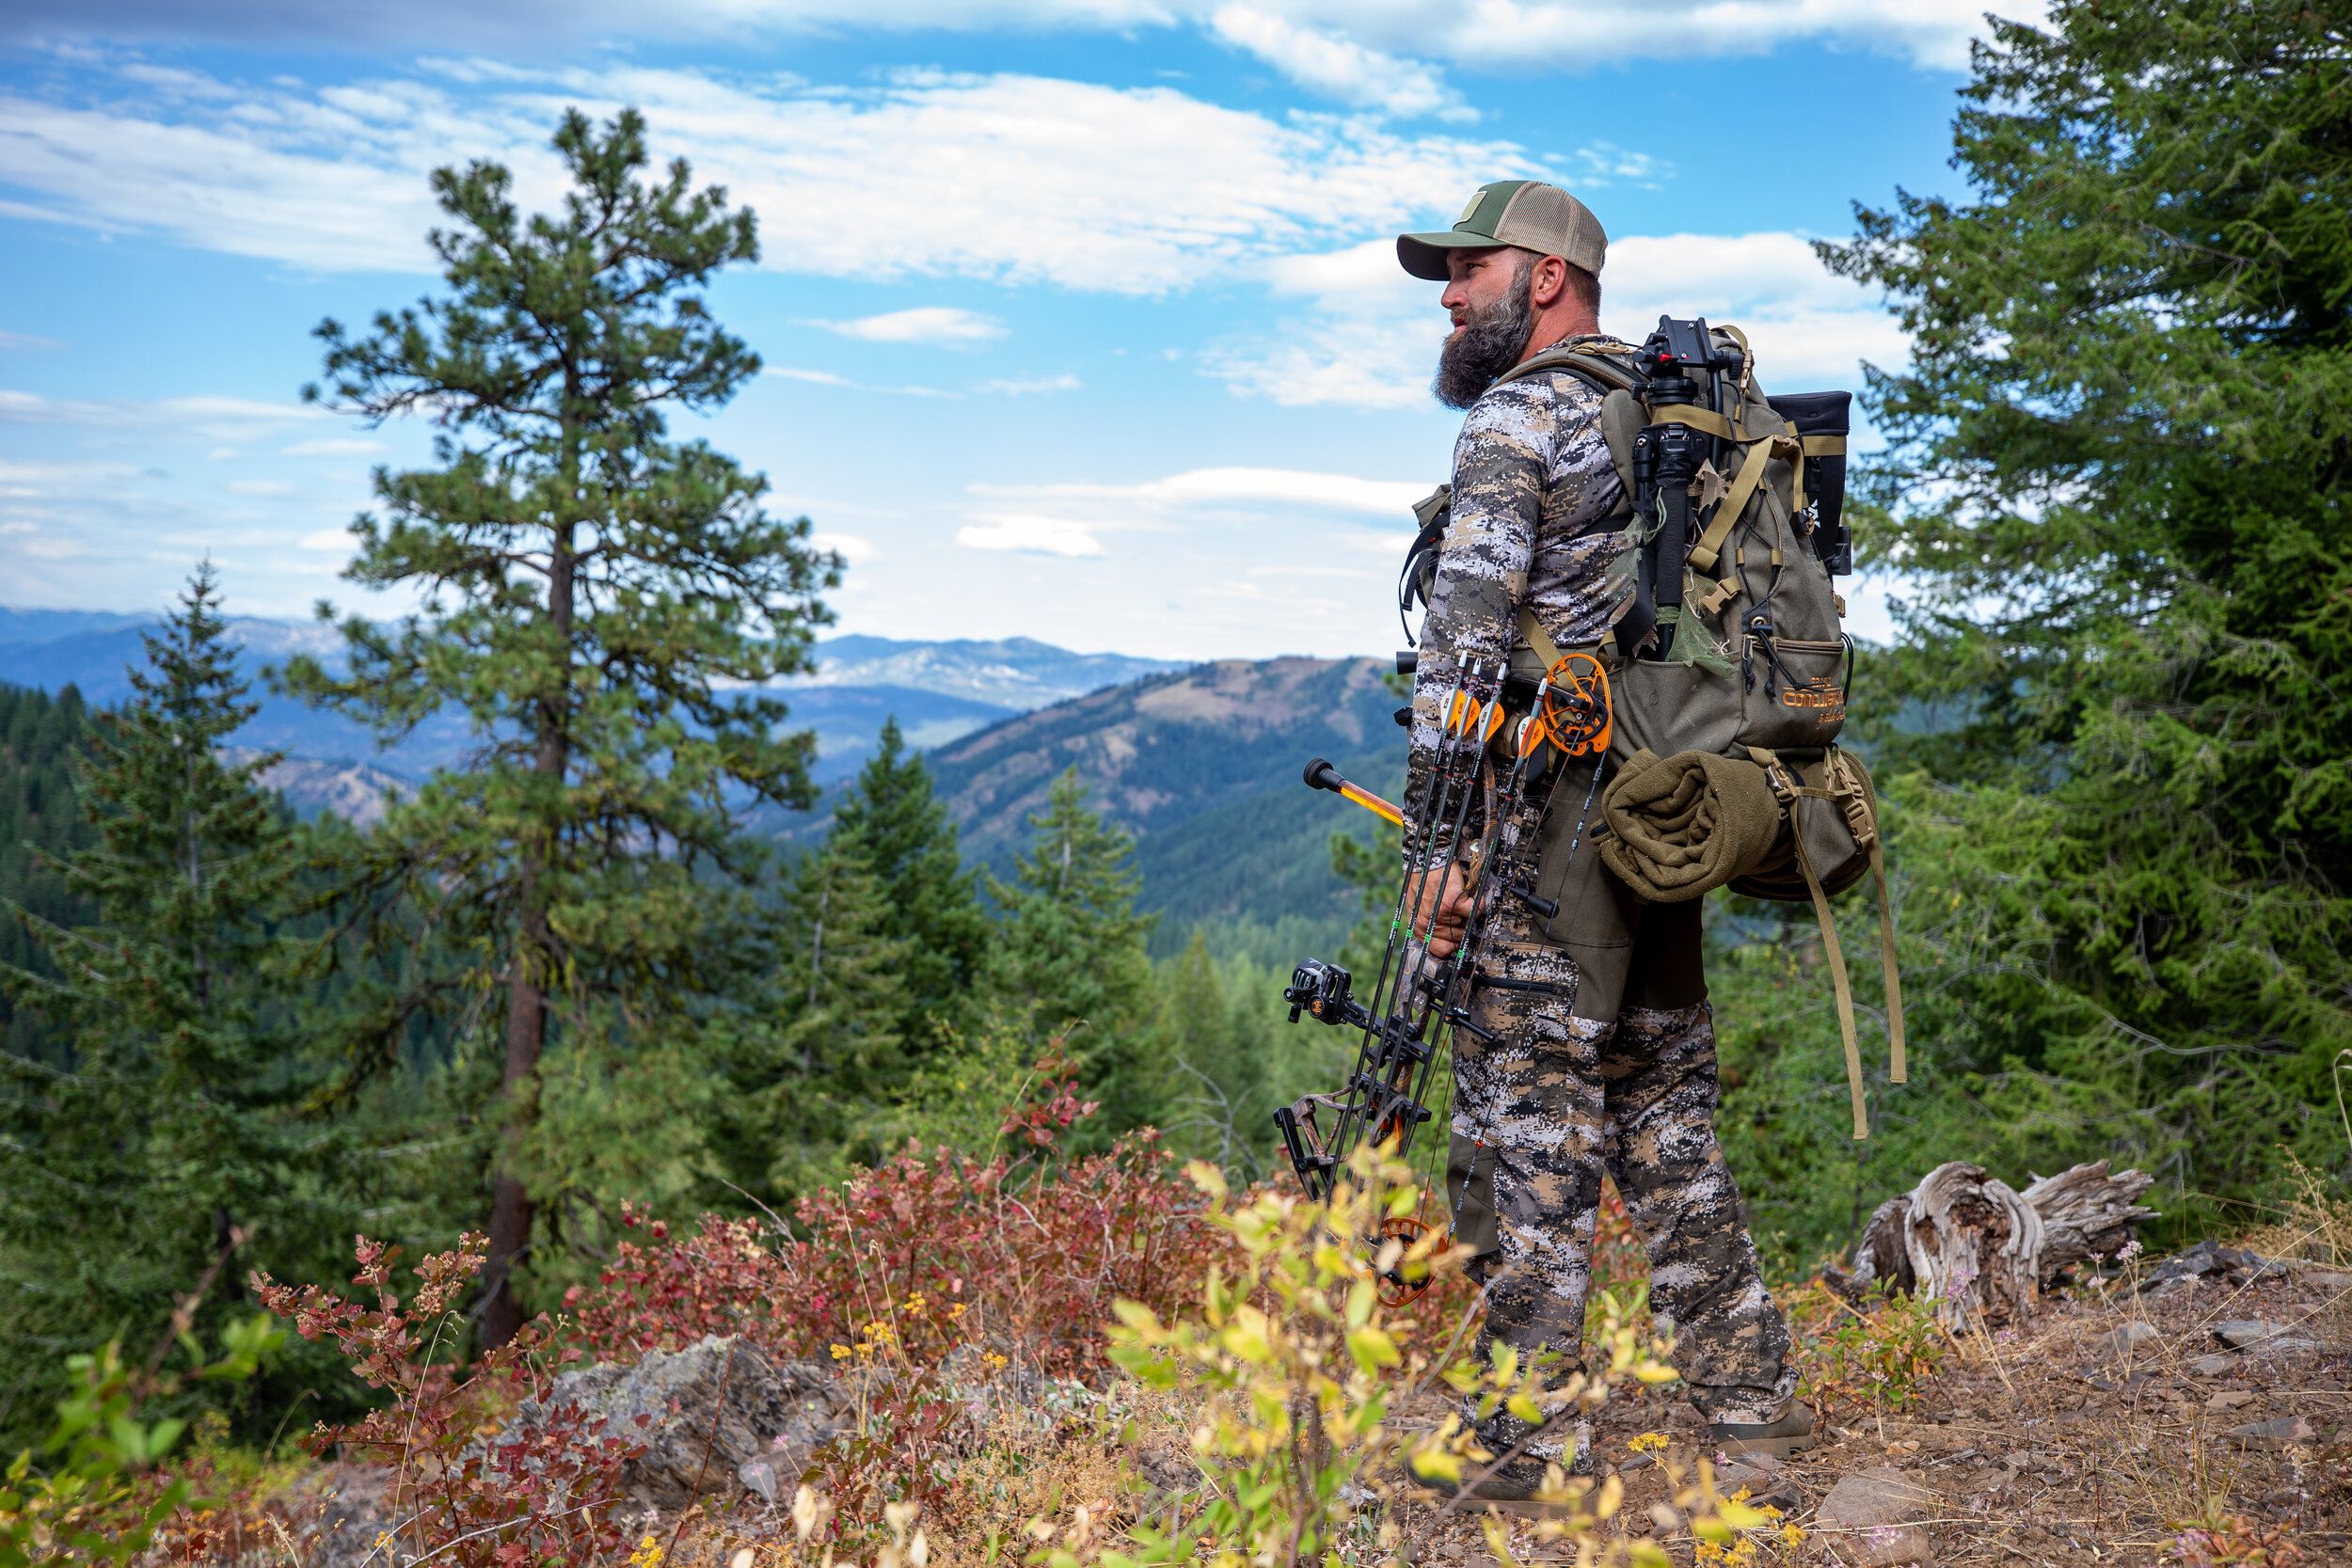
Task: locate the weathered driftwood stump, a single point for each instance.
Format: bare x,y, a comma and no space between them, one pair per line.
1975,1245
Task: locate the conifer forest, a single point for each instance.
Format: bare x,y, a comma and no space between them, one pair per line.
630,1146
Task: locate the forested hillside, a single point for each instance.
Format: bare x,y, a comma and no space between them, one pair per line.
1203,768
40,823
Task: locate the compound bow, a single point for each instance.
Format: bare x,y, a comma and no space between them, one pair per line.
1502,739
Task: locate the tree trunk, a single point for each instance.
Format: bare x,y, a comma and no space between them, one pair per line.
526,985
1976,1246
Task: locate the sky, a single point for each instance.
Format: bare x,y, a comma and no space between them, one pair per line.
1079,319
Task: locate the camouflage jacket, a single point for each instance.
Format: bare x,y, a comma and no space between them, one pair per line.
1534,522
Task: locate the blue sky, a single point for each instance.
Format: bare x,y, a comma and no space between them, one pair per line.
1080,320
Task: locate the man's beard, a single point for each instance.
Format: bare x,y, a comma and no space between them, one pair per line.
1489,344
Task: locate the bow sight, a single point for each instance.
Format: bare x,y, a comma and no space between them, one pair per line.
1500,738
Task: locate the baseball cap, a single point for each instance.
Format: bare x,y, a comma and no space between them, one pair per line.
1523,212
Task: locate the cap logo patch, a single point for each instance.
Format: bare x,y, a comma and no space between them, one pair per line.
1477,196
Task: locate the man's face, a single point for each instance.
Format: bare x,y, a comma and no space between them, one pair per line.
1486,293
1476,281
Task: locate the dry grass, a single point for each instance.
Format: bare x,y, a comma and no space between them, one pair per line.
2314,1223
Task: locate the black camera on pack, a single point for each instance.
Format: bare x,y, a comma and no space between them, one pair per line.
1681,359
1328,992
1679,350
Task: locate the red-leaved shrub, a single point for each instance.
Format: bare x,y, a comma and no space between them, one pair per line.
1017,1254
483,1498
935,1268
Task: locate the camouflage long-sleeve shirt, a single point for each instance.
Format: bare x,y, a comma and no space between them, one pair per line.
1533,495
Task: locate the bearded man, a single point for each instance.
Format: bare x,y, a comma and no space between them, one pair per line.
1593,1049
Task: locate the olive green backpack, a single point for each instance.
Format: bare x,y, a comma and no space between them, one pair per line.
1727,767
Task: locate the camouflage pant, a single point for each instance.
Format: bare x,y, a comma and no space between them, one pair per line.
1558,1096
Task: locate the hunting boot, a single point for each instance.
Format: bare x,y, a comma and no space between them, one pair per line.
1510,1487
1790,1434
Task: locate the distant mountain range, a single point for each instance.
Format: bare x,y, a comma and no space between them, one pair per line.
1202,762
938,692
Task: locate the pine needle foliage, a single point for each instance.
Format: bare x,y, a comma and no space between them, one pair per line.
2119,488
930,899
1070,946
178,1121
604,603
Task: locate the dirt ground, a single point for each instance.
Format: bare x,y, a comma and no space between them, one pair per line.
2075,1439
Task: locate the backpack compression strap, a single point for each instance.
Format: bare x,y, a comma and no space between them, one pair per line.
1845,794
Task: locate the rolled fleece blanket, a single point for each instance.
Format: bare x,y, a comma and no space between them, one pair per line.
1683,824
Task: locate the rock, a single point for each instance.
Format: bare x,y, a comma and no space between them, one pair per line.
2221,1363
2278,1433
2229,1399
1765,1477
762,1474
2118,1345
339,1512
2329,1281
2238,1332
1876,1520
712,1409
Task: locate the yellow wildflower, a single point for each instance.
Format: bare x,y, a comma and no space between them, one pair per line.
1649,1441
994,1360
916,1301
647,1555
955,1311
842,1352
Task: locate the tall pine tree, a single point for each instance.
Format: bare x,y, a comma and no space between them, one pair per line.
598,596
174,1125
931,903
1070,947
2121,482
836,1050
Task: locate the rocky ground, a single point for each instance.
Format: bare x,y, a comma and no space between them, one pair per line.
2196,1414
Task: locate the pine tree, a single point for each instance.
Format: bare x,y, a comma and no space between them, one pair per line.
2120,478
1209,1083
839,1052
1070,947
931,902
602,600
172,1128
43,740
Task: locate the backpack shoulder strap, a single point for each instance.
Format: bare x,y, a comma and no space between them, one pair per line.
1603,363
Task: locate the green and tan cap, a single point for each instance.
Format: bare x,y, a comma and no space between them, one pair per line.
1527,213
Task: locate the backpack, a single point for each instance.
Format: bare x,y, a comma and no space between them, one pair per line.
1741,655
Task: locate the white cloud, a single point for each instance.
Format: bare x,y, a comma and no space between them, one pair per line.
1556,34
1337,66
1029,535
850,548
926,324
827,378
338,539
18,343
1368,335
260,487
1019,386
214,418
1226,508
1278,486
1044,169
335,447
